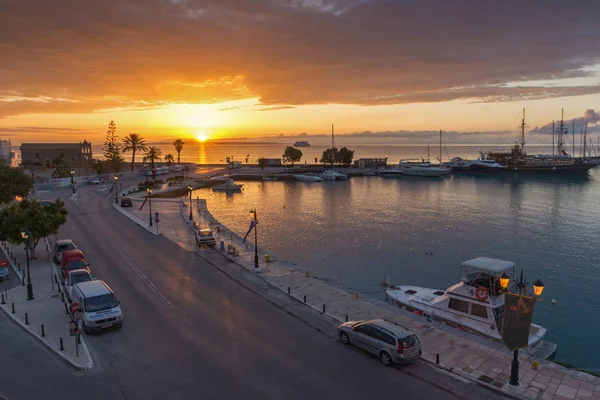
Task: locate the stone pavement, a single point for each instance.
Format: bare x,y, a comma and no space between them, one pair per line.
466,355
46,309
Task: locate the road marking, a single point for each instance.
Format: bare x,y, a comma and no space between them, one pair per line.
136,269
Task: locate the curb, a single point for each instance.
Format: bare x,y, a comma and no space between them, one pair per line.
135,219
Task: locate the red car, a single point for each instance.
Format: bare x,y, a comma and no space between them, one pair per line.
72,260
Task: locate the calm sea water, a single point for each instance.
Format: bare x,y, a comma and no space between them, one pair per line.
217,152
418,231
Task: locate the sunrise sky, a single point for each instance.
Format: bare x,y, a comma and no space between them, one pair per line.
235,68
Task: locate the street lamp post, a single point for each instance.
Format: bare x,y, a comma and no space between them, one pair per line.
116,178
150,199
190,192
73,181
538,288
254,217
25,235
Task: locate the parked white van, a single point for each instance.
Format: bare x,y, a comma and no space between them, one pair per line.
98,305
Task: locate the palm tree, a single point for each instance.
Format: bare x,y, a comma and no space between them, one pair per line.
153,155
133,143
169,158
178,144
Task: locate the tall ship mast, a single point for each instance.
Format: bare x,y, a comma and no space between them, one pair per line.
518,161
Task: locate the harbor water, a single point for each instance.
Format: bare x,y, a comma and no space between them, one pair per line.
418,231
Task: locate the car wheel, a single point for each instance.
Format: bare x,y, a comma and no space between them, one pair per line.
344,338
385,358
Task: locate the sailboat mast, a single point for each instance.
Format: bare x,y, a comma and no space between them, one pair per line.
585,140
573,134
332,147
553,137
440,145
560,132
523,132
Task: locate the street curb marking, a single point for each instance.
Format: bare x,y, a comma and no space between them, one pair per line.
135,219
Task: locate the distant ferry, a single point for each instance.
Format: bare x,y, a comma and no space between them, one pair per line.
303,143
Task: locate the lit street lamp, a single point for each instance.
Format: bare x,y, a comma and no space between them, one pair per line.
150,199
116,178
254,218
190,188
25,235
538,288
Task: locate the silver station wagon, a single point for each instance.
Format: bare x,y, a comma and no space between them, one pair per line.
391,342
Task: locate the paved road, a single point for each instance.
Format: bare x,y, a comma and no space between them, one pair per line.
191,332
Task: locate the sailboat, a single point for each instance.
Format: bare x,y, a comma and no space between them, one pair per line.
332,174
518,161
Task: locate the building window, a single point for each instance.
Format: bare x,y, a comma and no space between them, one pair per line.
479,311
459,305
37,155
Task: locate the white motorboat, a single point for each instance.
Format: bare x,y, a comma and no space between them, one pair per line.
302,143
390,173
229,184
476,304
482,164
333,175
309,177
421,169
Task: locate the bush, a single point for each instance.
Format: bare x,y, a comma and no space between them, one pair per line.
38,164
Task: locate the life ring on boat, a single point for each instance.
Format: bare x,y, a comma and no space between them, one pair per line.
481,293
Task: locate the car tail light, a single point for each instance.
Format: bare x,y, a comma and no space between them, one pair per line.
400,348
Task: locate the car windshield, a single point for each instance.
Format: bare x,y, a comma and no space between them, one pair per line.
205,234
66,246
79,264
99,303
75,279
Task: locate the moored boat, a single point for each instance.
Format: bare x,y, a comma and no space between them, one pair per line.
229,184
476,304
333,175
308,177
424,169
302,143
481,165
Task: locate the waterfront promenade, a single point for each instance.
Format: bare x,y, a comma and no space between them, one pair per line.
465,355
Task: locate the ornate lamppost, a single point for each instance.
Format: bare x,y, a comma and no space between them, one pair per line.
72,173
254,218
150,199
25,235
190,194
517,300
116,178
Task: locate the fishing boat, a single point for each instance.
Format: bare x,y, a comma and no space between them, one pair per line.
475,304
518,161
302,143
424,169
229,185
309,177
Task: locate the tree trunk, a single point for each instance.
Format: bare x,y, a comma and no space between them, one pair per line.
32,247
179,158
133,160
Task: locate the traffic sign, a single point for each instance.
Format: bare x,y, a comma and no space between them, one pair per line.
4,263
74,308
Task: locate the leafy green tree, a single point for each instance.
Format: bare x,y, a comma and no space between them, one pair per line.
113,148
262,162
134,143
40,220
13,182
61,171
153,154
329,156
344,156
98,166
178,144
169,159
291,155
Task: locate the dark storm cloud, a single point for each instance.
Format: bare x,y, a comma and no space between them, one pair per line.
73,56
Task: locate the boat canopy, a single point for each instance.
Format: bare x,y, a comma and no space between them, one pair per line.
491,265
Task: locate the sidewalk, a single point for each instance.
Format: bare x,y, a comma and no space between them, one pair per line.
46,309
469,356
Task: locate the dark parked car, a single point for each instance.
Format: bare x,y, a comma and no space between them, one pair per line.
126,202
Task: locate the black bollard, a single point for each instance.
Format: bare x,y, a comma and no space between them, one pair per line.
62,348
79,338
26,319
13,308
55,279
346,317
323,308
23,282
288,290
43,331
66,309
3,302
437,358
305,298
19,265
62,296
